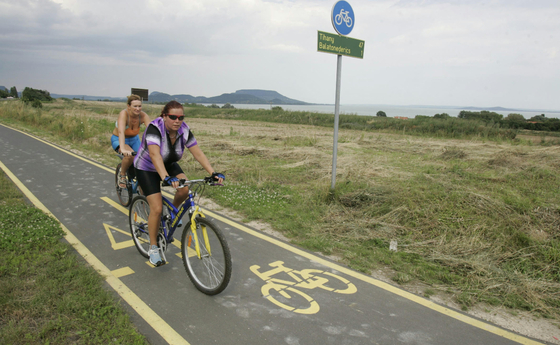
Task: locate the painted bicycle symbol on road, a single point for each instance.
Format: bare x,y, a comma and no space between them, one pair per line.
286,293
343,16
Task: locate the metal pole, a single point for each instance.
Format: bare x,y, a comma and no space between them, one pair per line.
336,111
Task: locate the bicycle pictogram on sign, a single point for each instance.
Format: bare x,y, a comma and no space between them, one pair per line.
342,17
280,291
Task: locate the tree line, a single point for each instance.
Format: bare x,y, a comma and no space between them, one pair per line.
4,93
31,96
511,121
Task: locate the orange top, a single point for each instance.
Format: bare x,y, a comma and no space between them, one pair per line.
128,132
131,132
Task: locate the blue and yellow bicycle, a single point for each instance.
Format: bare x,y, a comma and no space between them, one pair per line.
204,248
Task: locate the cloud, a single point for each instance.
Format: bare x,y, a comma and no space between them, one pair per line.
417,51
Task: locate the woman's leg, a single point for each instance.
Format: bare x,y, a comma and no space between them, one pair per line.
181,194
149,182
154,200
132,144
126,161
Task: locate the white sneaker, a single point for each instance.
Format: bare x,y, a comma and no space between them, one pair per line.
155,258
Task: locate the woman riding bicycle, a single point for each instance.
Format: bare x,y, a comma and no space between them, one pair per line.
126,138
162,147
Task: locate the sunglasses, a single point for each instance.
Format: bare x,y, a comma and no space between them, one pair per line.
175,117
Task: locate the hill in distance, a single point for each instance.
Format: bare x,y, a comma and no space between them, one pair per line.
252,96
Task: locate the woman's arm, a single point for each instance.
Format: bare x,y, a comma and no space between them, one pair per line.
157,161
121,126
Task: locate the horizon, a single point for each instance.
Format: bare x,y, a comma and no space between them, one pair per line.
441,106
329,104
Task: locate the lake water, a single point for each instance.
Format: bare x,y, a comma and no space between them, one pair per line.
393,110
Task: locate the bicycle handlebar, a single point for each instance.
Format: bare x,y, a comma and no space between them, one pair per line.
122,156
185,183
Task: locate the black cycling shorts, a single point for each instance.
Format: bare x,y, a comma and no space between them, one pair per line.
150,182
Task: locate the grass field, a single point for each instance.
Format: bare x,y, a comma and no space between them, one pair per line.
47,294
475,214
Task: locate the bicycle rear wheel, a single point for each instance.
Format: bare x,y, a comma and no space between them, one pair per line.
124,194
138,220
212,271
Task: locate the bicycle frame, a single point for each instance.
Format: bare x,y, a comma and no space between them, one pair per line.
209,271
177,214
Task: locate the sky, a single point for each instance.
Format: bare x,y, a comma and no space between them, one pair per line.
481,53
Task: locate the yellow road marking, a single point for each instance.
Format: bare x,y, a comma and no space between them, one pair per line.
117,245
151,317
121,272
116,205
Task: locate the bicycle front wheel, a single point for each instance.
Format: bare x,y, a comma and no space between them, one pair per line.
138,220
210,272
338,19
124,194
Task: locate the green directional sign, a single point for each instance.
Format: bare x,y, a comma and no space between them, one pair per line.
340,45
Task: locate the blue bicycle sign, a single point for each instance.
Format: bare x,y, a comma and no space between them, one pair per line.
343,17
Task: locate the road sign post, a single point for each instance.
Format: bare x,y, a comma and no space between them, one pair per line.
336,118
343,20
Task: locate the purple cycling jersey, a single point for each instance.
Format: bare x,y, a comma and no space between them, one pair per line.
156,134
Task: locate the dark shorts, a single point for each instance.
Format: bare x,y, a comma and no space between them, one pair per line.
150,182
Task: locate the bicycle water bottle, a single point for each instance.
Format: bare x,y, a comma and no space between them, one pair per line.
134,186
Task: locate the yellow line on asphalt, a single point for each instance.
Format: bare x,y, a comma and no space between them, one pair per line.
121,272
422,301
153,319
115,205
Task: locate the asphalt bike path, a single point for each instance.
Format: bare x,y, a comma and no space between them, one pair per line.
278,293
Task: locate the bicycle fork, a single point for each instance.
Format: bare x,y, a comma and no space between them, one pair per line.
195,234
